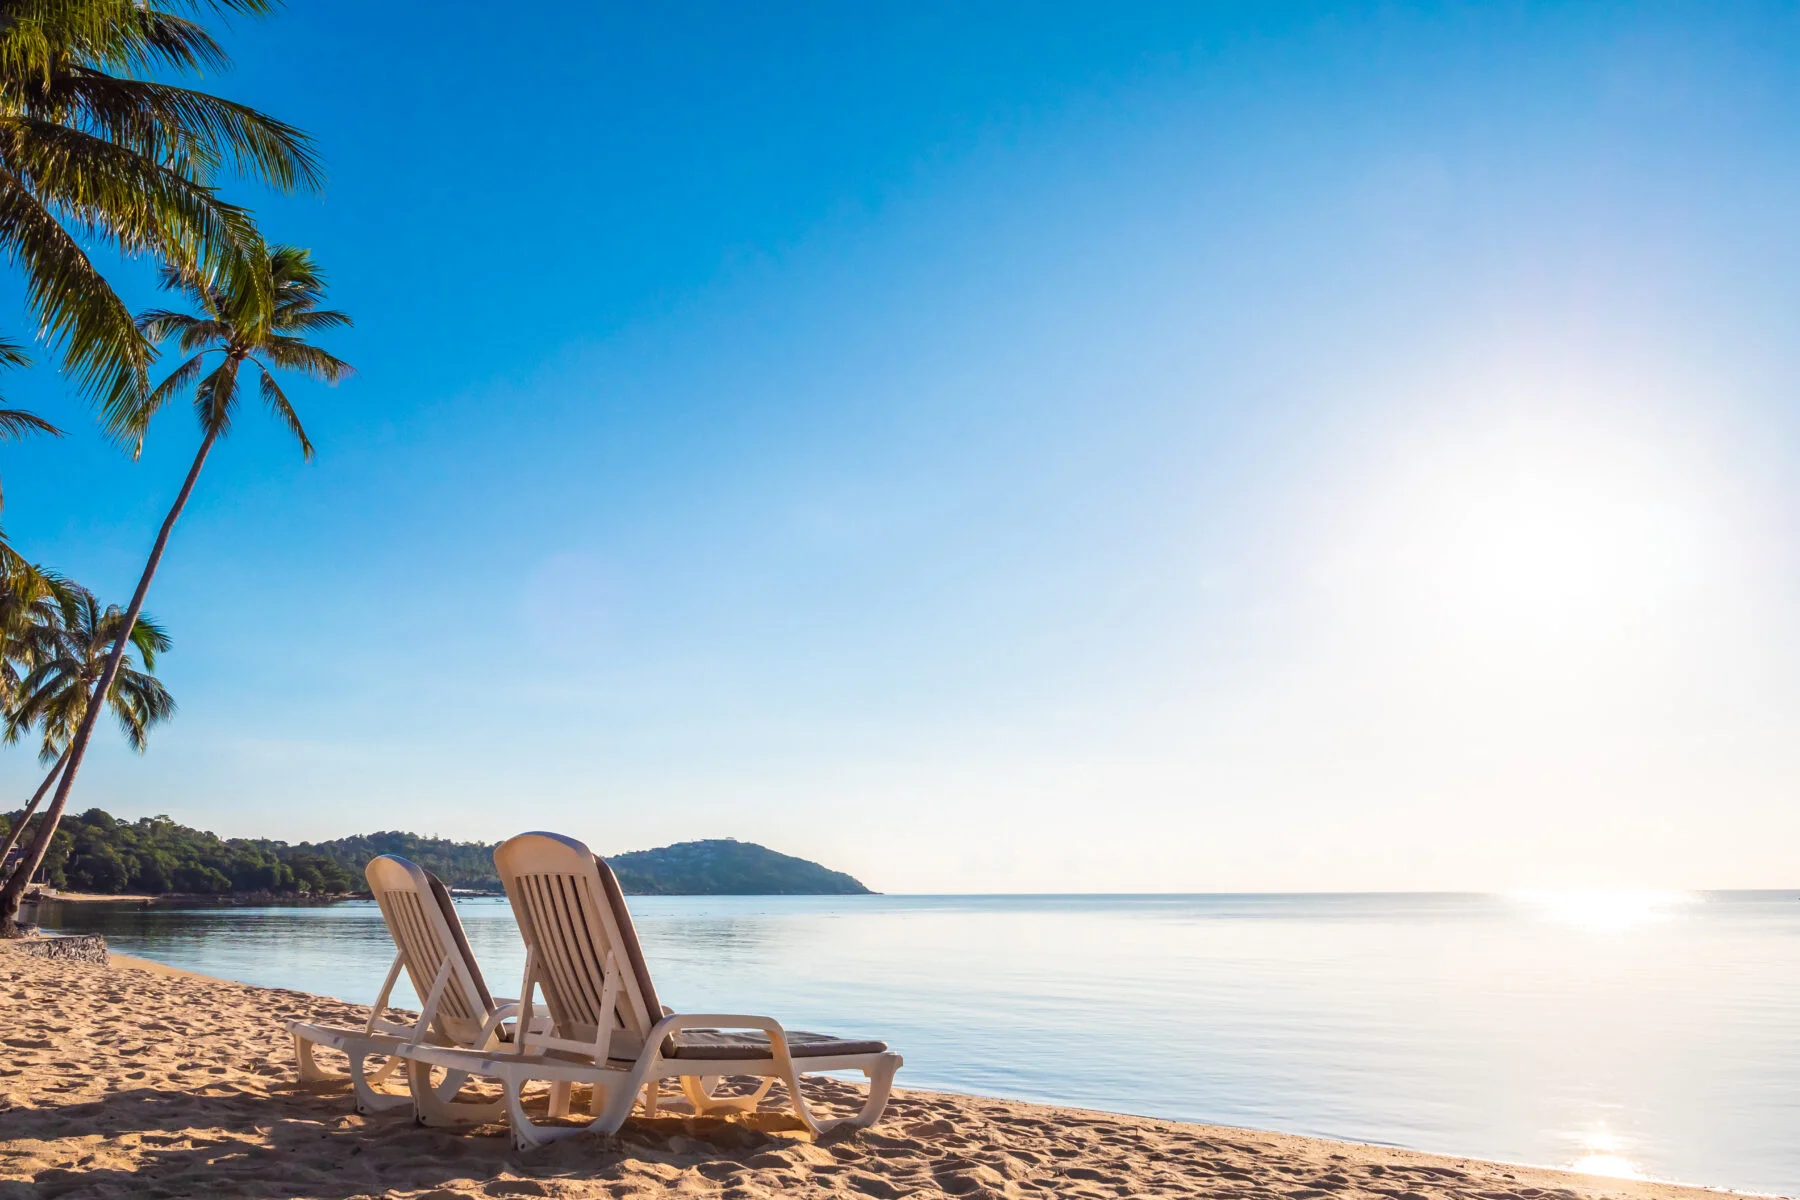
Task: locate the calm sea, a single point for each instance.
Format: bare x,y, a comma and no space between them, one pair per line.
1652,1034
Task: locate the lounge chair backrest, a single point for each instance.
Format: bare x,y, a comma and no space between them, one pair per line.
572,915
422,919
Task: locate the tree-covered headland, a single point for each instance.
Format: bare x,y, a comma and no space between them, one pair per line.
154,856
93,852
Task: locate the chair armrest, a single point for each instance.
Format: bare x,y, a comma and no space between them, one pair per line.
676,1022
504,1011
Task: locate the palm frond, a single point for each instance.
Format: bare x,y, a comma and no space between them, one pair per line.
290,320
17,574
159,324
176,43
67,657
204,333
187,127
277,403
124,195
123,34
178,380
139,205
294,355
16,423
148,637
215,397
104,353
245,330
139,701
12,354
191,282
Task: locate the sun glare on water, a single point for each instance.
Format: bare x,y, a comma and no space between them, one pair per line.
1603,1158
1606,910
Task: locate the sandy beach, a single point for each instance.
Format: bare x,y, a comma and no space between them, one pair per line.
139,1080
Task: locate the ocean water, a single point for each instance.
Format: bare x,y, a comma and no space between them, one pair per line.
1655,1034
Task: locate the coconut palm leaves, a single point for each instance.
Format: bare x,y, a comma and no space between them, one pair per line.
66,658
62,640
16,423
31,601
18,578
236,325
90,149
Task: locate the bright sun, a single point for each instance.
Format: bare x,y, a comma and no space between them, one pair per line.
1552,538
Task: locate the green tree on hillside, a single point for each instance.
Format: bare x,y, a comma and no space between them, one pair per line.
95,852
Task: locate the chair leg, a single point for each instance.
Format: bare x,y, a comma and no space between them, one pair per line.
698,1090
881,1083
791,1076
559,1099
522,1127
438,1107
527,1134
310,1070
621,1098
368,1100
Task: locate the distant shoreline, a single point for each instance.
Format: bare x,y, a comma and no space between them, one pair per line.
221,899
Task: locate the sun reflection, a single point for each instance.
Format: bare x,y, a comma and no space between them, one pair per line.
1606,911
1603,1158
1606,1164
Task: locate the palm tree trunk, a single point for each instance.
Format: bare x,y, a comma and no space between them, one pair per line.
12,839
13,894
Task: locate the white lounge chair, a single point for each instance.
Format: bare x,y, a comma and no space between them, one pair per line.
608,1029
457,1009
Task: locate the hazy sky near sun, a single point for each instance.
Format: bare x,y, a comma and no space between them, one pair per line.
1008,447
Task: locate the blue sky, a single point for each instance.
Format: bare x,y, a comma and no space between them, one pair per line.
1010,447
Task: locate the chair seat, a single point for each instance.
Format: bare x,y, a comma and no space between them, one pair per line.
717,1044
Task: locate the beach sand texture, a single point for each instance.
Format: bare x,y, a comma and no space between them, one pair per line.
120,1081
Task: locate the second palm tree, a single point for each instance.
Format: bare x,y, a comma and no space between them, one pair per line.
65,658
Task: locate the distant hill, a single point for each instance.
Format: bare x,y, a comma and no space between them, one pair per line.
718,867
95,852
466,865
727,867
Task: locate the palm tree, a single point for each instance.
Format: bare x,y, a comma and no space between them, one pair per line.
30,606
66,657
91,149
241,326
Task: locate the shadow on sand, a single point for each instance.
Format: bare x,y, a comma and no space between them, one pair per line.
308,1140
